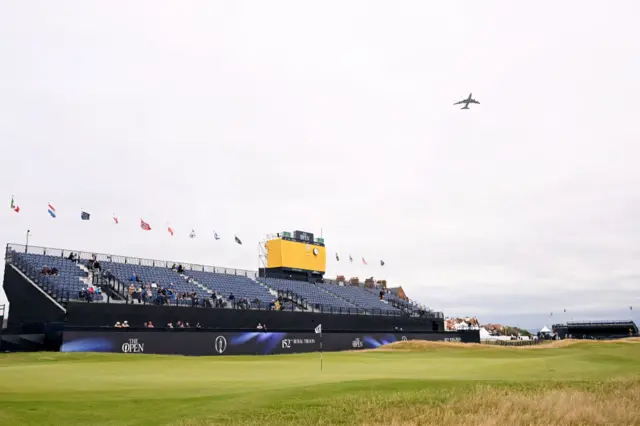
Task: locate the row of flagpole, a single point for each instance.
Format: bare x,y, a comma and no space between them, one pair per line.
145,226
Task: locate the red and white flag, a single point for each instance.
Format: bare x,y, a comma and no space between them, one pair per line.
144,225
170,230
115,219
364,262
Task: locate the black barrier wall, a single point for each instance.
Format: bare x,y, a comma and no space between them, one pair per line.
240,343
107,314
30,307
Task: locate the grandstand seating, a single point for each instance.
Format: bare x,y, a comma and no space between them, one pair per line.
194,278
163,277
395,300
69,282
226,284
314,294
358,296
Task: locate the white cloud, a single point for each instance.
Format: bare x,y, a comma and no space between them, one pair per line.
254,118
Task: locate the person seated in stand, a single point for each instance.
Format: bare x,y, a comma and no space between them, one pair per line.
118,325
180,269
259,327
72,257
54,271
149,324
169,325
45,270
125,324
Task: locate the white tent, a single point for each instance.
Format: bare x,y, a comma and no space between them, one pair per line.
545,329
484,334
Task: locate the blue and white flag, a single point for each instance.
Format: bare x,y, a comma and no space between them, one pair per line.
319,329
215,235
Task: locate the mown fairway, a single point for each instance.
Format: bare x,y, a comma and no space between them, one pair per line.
582,383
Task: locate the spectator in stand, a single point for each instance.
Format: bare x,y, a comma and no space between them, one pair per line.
180,269
186,325
118,325
132,289
149,324
259,327
54,271
45,270
125,324
72,257
198,325
169,325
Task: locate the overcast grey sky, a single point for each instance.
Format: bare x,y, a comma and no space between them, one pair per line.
254,117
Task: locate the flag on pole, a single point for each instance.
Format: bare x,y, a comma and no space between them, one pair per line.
170,230
215,235
52,211
382,263
192,234
85,216
364,262
14,206
319,329
238,240
337,257
144,225
115,219
350,259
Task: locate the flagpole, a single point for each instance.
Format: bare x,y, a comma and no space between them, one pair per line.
321,351
26,246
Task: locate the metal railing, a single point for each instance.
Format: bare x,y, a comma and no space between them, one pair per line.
129,260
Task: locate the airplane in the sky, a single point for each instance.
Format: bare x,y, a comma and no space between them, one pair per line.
467,101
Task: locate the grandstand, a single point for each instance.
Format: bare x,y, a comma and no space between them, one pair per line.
135,282
596,329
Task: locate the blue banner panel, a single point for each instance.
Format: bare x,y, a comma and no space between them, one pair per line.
239,343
